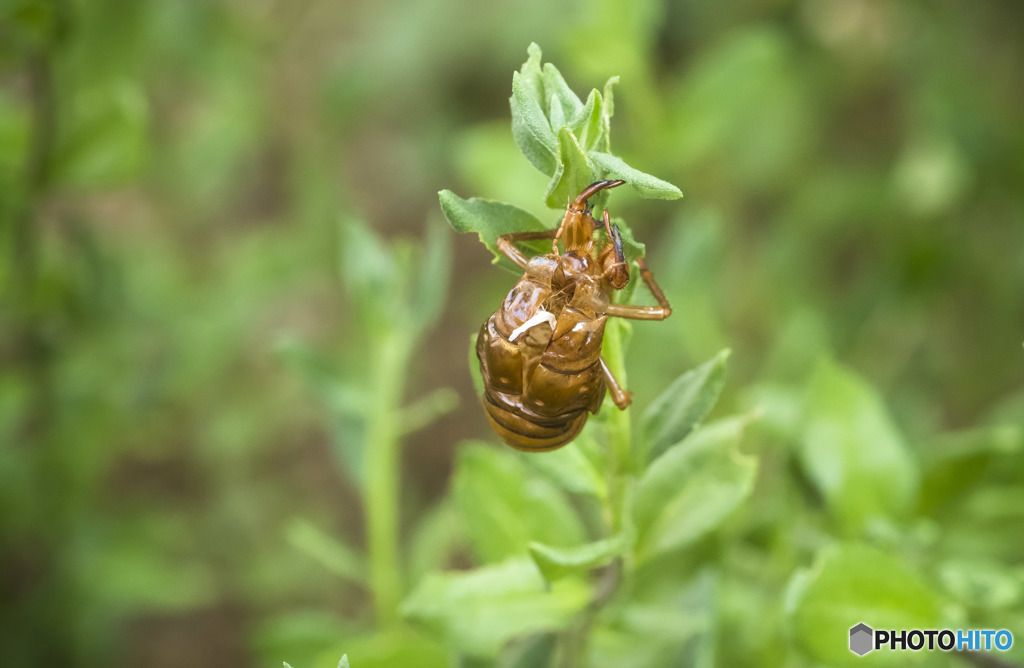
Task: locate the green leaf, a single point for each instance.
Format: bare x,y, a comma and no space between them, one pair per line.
561,97
474,366
437,535
490,220
503,508
529,651
478,611
850,584
982,583
425,411
330,552
608,112
589,124
431,285
557,562
368,266
107,139
646,185
692,488
682,406
385,648
571,469
852,451
573,173
954,463
530,126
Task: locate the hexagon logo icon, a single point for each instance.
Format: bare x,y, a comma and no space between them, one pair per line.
862,639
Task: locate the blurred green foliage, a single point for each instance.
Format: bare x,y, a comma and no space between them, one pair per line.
201,341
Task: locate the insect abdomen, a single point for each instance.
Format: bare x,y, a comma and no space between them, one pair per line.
550,409
523,429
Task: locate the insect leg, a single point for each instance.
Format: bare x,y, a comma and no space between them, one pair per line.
659,312
620,397
506,244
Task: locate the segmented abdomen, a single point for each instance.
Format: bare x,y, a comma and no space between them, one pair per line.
565,384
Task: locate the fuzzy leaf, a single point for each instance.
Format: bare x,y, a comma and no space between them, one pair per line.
852,451
589,124
646,185
557,562
561,96
692,488
682,406
490,220
530,126
850,584
478,611
574,173
608,112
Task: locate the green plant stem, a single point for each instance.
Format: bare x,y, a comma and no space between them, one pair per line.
391,360
620,459
620,476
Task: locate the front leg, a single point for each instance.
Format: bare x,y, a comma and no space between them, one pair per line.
506,244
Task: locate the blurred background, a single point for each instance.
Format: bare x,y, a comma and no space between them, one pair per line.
204,207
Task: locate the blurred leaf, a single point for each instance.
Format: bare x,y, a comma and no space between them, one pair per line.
330,552
646,185
529,652
431,287
744,107
956,462
571,469
384,648
107,138
558,562
424,412
692,488
504,509
346,401
573,173
474,367
852,451
682,406
850,584
490,220
343,663
437,535
478,611
368,267
286,664
530,126
981,583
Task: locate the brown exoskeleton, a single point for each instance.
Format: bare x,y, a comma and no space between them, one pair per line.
540,353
